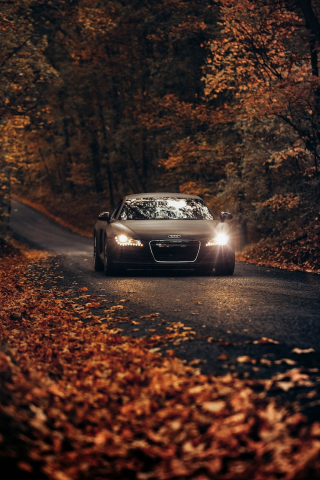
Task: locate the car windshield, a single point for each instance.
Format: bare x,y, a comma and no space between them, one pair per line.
165,208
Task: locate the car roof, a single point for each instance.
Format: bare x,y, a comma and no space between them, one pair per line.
160,195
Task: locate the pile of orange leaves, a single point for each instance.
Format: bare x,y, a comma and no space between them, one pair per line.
296,249
79,401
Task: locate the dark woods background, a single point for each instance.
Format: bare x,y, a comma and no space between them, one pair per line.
217,98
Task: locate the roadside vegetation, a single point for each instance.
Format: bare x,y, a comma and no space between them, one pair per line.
79,399
214,98
101,99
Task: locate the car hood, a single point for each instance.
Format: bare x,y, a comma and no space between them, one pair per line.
160,229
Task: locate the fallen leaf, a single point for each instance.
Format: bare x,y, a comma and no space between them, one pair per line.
223,356
214,407
288,361
246,359
170,353
306,350
285,386
265,361
265,340
55,390
195,361
25,466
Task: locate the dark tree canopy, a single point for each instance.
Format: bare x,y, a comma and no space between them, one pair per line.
101,99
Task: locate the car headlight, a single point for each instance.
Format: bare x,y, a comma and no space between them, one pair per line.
219,239
125,241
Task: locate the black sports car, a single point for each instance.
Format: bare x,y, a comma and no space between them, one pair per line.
163,230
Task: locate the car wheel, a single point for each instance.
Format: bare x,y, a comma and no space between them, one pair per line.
226,267
108,268
97,263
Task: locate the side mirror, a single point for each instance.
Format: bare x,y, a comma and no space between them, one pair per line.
225,216
104,217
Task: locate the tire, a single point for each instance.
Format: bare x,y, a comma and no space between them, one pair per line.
97,263
108,268
106,262
226,267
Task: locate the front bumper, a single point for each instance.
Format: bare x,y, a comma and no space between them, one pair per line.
144,257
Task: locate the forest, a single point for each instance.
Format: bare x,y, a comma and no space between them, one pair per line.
116,378
219,98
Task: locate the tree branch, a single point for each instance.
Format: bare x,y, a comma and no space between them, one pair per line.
16,50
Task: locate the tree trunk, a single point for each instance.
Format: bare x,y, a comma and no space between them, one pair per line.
106,153
95,150
5,205
310,17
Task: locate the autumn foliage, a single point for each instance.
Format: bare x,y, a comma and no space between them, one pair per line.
101,99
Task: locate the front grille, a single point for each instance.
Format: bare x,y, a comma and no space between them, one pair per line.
174,251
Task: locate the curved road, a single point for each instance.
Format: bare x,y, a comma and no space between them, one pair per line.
255,302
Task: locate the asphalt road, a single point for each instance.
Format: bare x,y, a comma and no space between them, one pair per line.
255,302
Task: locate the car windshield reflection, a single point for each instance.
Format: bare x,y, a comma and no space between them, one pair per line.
165,209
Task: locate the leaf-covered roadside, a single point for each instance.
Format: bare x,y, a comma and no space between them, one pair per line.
294,249
79,401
